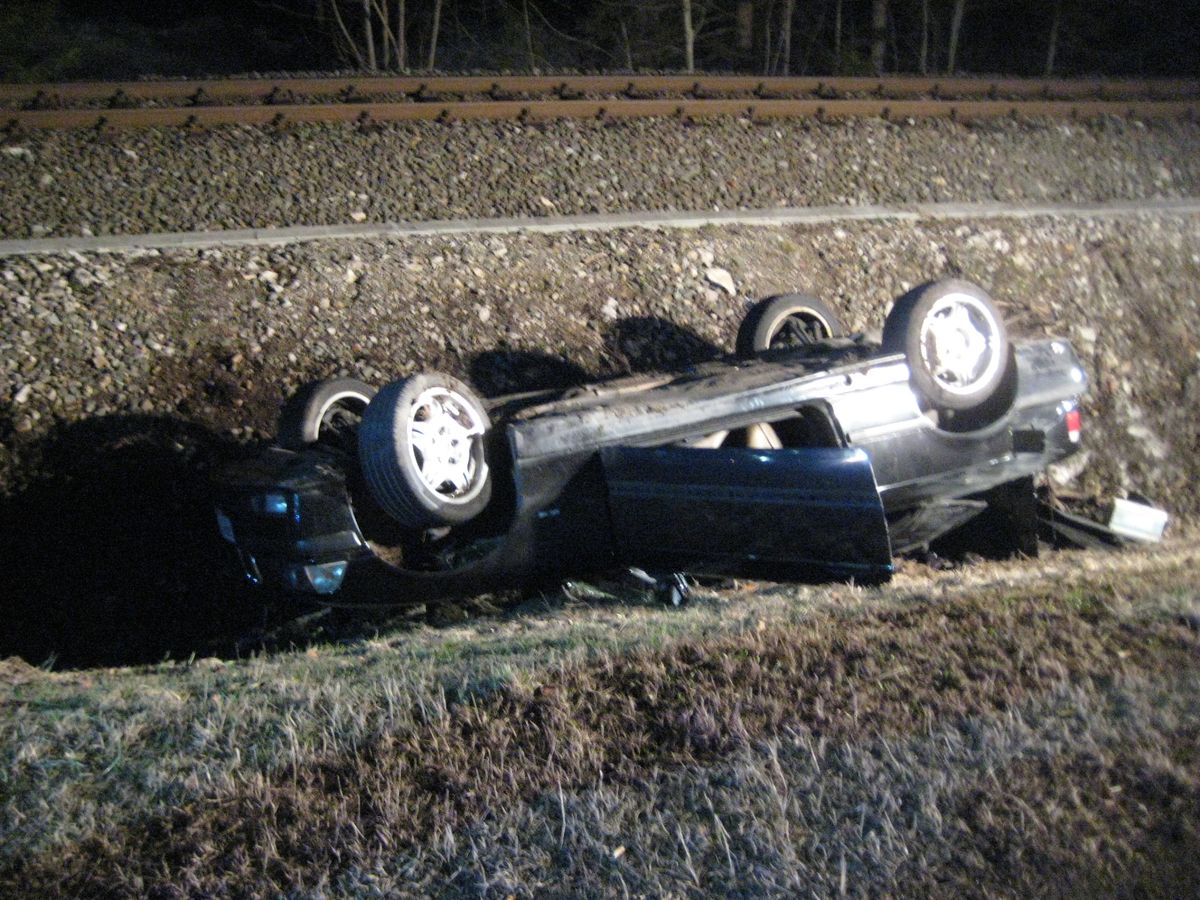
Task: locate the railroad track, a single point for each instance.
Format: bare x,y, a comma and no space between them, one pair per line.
199,104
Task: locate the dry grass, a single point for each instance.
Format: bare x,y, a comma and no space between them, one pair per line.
1009,729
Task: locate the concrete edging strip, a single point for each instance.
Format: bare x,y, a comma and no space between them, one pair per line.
816,215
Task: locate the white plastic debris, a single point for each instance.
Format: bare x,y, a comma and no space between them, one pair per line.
1138,521
721,279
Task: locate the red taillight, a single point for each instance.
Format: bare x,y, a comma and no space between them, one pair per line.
1074,426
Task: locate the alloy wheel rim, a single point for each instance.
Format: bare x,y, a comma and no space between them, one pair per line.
959,343
445,434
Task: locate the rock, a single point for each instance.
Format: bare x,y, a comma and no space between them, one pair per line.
722,279
82,278
358,216
1063,473
1149,440
22,395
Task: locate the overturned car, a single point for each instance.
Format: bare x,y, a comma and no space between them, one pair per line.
807,456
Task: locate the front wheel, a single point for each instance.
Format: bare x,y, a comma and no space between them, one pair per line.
954,339
421,448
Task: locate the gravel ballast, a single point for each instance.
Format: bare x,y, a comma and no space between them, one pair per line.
214,340
68,183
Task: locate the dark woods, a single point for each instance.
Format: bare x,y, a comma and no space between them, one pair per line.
60,39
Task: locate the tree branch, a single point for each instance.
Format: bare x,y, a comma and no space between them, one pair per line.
337,14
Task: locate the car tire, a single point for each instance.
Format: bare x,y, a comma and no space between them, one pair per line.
954,339
786,320
323,412
421,449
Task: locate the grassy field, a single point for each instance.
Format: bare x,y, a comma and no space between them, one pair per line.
1005,729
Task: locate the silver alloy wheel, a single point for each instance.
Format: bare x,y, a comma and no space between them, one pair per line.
443,431
959,343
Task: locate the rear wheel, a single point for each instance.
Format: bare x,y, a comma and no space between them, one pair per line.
786,320
954,339
324,412
421,448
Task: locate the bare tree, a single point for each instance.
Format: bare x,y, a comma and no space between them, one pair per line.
955,28
745,24
837,37
879,10
378,44
689,38
767,37
789,11
1052,47
369,36
628,46
434,28
923,62
401,42
350,45
528,35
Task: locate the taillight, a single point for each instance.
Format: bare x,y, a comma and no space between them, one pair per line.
1074,426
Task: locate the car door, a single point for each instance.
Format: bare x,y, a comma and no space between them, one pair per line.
774,513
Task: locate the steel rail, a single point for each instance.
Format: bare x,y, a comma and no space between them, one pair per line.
266,90
540,110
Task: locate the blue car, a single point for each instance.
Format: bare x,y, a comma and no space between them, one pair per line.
807,455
